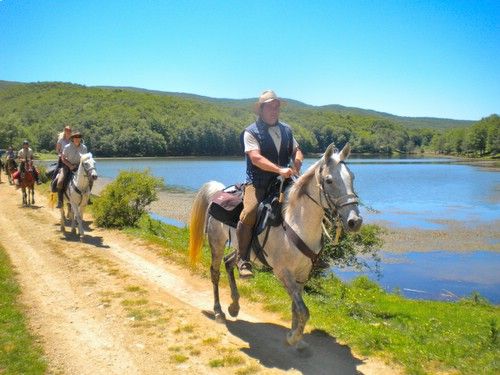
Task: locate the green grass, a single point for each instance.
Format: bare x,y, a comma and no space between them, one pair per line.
19,354
424,337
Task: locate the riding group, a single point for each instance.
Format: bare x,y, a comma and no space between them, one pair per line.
73,175
275,219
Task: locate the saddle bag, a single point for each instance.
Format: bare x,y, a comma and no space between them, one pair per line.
227,205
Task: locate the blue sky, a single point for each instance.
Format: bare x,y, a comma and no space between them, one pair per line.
409,58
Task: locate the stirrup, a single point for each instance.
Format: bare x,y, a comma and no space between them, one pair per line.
245,269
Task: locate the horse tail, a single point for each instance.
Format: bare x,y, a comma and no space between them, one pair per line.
199,217
52,200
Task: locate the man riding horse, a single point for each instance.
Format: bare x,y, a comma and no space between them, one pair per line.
24,156
10,163
269,145
70,158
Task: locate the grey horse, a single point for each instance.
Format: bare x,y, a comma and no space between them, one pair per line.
290,248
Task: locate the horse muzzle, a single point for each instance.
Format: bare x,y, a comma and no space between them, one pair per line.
354,222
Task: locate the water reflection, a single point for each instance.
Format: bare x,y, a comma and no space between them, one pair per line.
437,275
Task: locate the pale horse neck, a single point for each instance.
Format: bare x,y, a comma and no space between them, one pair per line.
306,216
81,179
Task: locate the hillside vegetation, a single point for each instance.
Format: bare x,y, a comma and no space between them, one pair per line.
135,122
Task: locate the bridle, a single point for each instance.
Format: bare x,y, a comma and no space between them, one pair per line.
331,214
334,204
88,170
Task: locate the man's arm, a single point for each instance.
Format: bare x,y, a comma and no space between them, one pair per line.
297,160
266,165
66,161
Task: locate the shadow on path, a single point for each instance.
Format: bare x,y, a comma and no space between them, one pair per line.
267,344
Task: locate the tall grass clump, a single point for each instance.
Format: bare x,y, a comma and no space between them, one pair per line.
123,202
19,354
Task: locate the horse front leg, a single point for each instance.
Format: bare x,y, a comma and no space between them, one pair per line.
32,196
300,312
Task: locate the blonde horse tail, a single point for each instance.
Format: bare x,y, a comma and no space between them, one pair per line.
52,200
199,217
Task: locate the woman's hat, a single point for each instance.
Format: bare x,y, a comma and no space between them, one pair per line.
76,135
67,127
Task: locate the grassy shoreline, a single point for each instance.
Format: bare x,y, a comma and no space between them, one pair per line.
424,337
19,353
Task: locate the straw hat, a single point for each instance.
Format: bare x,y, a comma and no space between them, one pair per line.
76,134
267,96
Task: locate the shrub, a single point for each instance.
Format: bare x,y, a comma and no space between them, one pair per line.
352,249
124,201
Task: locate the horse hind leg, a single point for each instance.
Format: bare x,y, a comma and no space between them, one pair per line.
217,251
229,263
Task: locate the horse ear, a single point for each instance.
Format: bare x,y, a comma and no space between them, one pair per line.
329,152
344,154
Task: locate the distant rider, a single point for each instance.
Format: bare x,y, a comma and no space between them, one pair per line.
25,155
70,157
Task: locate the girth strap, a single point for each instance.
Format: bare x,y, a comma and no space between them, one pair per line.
297,241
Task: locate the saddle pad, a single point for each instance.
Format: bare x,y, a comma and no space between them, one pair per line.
227,206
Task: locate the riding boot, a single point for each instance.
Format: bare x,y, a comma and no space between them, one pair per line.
60,197
244,234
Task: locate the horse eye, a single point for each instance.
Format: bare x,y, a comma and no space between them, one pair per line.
328,179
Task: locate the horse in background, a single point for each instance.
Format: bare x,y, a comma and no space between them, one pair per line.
27,183
10,168
78,191
292,247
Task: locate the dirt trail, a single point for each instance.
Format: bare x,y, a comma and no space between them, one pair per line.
110,305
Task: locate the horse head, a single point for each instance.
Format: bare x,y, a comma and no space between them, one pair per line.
88,164
335,181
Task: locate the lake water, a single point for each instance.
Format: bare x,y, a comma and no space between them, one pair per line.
405,192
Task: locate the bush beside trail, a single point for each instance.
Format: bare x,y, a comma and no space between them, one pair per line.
124,201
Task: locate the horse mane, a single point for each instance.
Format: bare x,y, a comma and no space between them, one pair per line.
298,189
86,156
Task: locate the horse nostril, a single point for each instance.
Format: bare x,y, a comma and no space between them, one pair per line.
354,224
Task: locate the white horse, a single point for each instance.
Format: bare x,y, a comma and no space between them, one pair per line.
78,192
291,248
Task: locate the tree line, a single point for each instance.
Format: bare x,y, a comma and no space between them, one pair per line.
119,122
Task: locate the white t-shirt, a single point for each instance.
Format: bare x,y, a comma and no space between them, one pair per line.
251,143
25,154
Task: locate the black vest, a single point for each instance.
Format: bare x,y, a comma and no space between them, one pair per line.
260,130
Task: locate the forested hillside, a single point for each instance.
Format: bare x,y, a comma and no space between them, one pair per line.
133,122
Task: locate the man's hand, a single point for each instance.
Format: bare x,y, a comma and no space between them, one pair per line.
286,172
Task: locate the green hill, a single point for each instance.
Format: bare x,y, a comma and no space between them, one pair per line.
127,121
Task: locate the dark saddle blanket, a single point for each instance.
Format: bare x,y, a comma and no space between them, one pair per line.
226,206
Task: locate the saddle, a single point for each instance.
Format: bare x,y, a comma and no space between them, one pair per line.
226,206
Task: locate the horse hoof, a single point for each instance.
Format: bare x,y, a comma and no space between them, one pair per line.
234,309
292,339
220,317
302,345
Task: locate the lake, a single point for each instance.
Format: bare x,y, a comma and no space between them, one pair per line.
405,192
